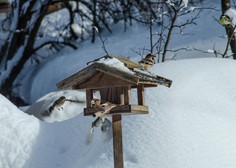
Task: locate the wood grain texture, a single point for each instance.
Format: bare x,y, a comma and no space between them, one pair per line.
117,141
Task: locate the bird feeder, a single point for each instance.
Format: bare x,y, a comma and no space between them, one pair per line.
114,77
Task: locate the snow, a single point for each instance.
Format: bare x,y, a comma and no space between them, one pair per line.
115,63
69,111
191,124
184,3
76,28
18,132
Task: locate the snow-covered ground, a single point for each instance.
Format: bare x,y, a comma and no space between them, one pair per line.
192,124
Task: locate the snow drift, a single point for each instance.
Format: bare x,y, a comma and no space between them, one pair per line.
192,124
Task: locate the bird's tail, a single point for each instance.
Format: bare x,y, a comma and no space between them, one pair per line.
89,138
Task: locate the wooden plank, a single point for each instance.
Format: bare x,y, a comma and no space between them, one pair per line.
85,79
127,93
121,109
121,93
117,141
102,80
89,97
71,81
140,93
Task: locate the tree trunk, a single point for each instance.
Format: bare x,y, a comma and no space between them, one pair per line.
19,45
225,4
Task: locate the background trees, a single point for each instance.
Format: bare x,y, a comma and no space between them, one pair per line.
32,33
225,4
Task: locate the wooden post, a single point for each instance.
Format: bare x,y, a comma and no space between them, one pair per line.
122,95
117,141
140,90
118,95
89,97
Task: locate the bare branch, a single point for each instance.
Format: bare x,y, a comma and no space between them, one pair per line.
102,40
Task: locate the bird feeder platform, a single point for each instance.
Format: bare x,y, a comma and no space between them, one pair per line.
114,77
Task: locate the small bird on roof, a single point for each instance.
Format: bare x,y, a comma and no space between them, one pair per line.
148,61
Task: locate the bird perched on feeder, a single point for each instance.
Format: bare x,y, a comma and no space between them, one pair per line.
104,106
148,61
96,102
101,119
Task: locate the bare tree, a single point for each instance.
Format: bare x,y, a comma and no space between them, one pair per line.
167,18
225,4
24,22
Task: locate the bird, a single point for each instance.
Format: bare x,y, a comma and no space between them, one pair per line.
106,125
148,61
57,103
106,129
225,20
104,107
95,102
97,123
101,120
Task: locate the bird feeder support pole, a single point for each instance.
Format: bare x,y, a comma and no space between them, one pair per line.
140,93
122,95
89,97
117,141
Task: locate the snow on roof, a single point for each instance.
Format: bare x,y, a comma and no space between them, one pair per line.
116,67
115,63
133,68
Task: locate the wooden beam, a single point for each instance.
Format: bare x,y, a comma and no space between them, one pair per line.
120,109
117,141
89,97
127,93
140,90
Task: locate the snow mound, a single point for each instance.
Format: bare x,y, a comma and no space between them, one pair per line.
68,110
192,124
18,132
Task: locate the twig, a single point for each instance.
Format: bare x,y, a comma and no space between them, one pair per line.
102,40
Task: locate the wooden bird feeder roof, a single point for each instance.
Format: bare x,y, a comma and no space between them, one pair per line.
112,71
